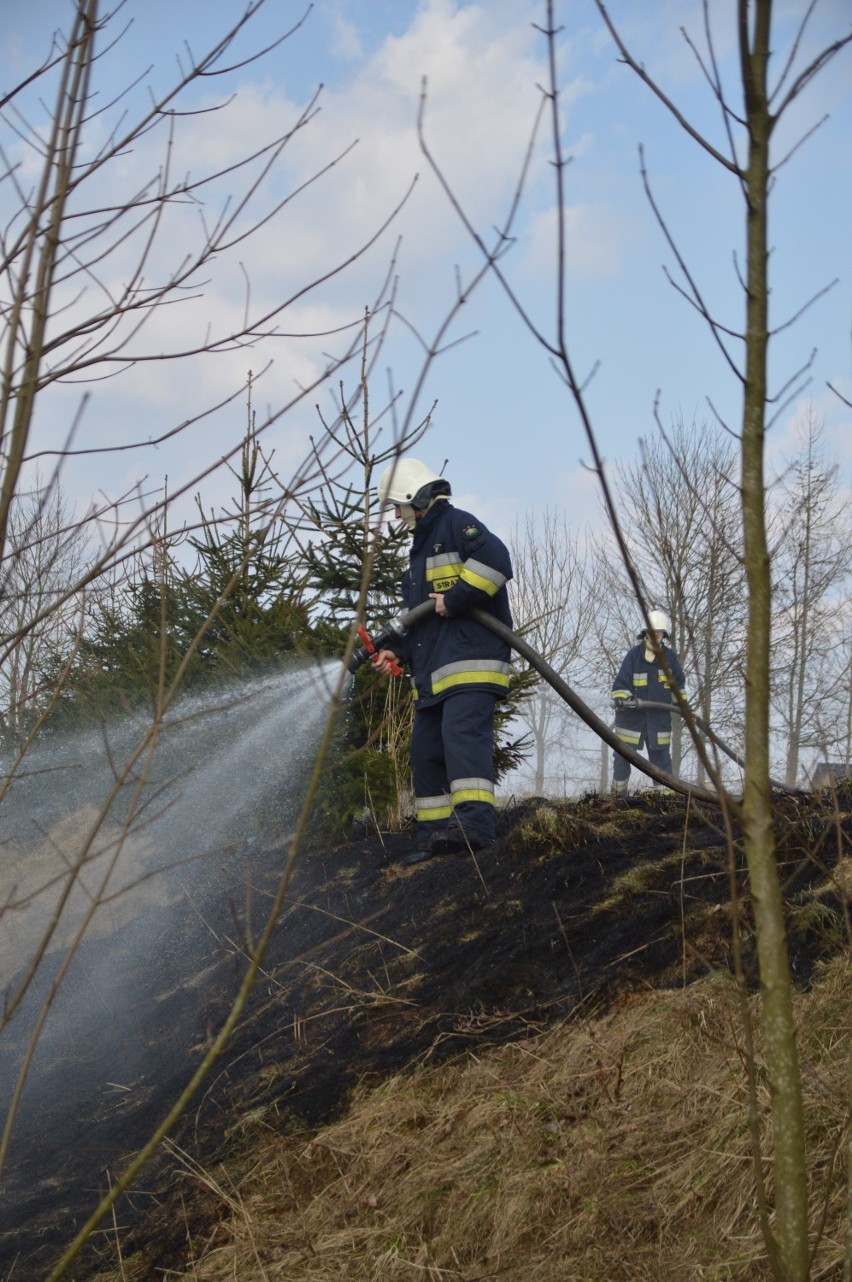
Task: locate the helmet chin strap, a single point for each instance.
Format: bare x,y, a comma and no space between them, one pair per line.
410,514
652,645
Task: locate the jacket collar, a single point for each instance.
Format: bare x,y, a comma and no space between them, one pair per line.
428,521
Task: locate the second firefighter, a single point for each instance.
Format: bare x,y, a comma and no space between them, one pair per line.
642,678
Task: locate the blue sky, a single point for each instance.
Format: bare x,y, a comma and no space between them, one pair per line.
506,426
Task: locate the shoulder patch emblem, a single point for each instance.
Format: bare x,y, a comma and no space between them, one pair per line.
470,531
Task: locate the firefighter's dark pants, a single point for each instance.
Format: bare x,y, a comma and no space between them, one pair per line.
653,733
452,761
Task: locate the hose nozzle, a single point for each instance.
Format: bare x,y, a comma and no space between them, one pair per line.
370,646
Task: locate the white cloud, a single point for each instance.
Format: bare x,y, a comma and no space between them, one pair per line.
346,42
481,102
597,241
482,73
483,62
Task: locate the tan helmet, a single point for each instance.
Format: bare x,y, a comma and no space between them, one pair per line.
659,621
409,483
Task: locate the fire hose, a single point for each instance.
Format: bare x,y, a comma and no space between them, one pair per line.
398,627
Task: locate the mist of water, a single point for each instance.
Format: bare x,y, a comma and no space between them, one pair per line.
187,831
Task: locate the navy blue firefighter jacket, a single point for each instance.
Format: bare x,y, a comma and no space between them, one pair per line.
643,678
452,552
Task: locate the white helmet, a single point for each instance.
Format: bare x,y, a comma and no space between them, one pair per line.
409,482
659,621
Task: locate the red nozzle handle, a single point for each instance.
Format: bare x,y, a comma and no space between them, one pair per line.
394,668
366,639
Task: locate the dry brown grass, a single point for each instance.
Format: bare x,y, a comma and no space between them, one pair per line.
611,1149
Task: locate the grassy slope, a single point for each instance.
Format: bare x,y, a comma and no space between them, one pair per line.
614,1148
528,1067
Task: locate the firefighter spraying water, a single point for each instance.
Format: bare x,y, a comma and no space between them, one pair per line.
459,668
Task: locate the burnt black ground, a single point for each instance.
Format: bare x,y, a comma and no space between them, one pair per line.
373,967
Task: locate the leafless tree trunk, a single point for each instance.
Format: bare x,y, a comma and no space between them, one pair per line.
756,810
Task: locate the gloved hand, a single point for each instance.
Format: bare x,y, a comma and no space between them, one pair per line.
628,702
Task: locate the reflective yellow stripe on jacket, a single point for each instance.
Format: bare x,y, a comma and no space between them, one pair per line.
471,672
444,570
482,576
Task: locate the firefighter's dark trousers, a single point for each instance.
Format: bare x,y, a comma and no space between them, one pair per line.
452,761
654,734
